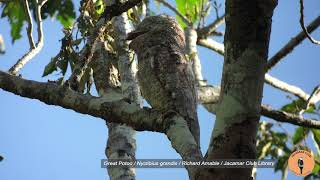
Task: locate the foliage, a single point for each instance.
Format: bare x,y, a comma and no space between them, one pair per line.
279,146
15,13
297,105
271,143
63,10
193,10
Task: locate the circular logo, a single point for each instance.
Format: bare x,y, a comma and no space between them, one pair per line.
301,162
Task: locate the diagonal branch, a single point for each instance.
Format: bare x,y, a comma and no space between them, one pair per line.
110,12
303,27
282,116
34,50
209,97
208,30
285,50
286,87
175,10
215,46
314,96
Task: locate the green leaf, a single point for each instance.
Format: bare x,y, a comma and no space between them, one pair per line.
66,21
294,107
52,66
191,9
281,163
299,134
99,6
63,65
14,11
63,10
316,136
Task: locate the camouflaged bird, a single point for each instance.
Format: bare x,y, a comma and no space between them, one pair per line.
164,75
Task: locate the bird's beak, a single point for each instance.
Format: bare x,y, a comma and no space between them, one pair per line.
133,34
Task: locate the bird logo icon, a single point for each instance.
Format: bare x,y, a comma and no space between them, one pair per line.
301,162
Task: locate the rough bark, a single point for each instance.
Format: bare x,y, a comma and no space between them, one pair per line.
248,27
121,142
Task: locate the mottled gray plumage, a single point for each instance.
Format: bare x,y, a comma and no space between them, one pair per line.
164,75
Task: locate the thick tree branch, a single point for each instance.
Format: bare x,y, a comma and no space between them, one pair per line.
208,30
176,11
303,27
285,50
118,8
110,108
33,50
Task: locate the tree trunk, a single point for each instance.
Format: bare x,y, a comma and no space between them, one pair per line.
248,27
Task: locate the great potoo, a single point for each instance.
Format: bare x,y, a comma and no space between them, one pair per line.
164,75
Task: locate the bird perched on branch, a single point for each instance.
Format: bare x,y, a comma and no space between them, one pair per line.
164,75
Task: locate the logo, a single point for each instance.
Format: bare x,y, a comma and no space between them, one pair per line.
301,162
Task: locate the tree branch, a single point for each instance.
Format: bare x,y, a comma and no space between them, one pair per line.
30,24
85,58
303,27
209,97
176,11
211,44
215,46
285,50
314,96
33,50
286,87
110,108
110,12
208,30
282,116
118,8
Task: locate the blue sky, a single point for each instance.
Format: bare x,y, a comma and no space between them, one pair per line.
48,142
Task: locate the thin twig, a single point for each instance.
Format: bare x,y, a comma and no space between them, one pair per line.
175,10
314,97
110,12
30,24
287,49
303,27
85,59
208,30
33,51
